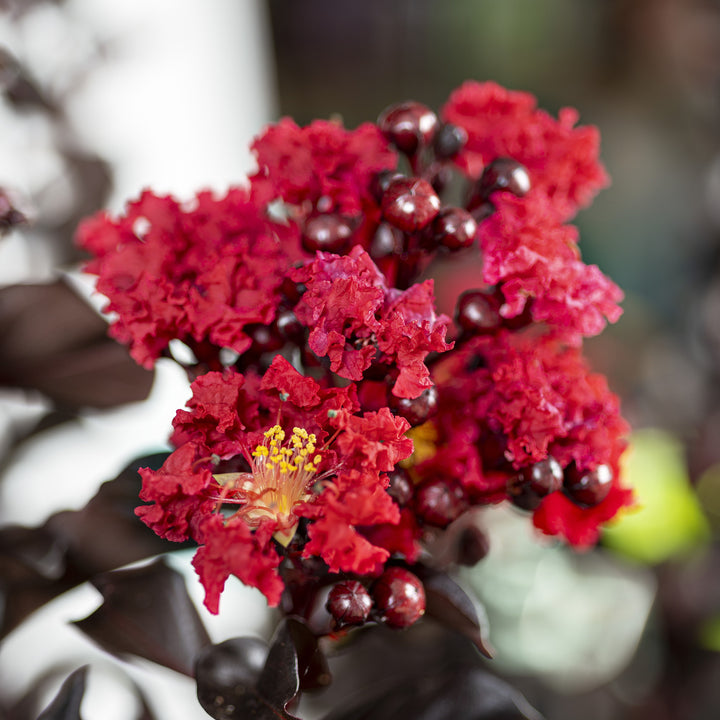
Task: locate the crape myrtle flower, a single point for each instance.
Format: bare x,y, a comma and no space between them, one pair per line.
513,400
561,159
256,455
198,272
322,166
356,319
348,432
535,263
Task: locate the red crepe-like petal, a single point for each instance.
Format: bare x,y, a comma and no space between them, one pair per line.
562,160
557,515
178,492
374,442
410,330
231,548
322,160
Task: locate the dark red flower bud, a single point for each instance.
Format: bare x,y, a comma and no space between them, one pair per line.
349,603
478,312
11,211
449,140
400,487
329,233
454,228
504,174
399,597
588,487
265,338
381,182
410,204
473,546
438,502
535,482
416,410
408,125
388,240
289,327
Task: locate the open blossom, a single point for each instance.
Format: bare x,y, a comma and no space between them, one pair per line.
511,401
561,159
356,319
200,272
273,453
321,164
534,261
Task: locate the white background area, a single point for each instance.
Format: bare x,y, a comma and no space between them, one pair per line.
172,101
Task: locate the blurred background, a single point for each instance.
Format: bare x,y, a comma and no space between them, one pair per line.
100,99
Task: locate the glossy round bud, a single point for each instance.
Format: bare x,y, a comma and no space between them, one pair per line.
388,240
400,487
473,545
438,502
532,483
329,233
504,174
399,597
478,312
381,182
408,126
410,204
416,410
449,140
349,603
588,487
289,327
454,228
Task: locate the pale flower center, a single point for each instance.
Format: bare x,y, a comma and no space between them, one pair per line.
281,476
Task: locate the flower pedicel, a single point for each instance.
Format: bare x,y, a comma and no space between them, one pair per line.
351,422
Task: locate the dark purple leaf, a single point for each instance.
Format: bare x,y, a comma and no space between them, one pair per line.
312,663
52,341
37,564
66,704
450,605
466,692
147,612
241,678
279,680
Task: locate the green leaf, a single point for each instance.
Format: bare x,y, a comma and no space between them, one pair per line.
668,520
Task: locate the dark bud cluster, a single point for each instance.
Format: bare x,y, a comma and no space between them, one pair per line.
329,233
409,126
533,483
349,603
399,598
587,487
396,598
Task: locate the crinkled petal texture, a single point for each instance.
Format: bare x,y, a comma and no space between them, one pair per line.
534,261
321,161
199,272
356,320
561,159
225,419
231,548
509,401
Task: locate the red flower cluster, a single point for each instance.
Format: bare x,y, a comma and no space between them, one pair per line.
528,252
201,272
345,430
